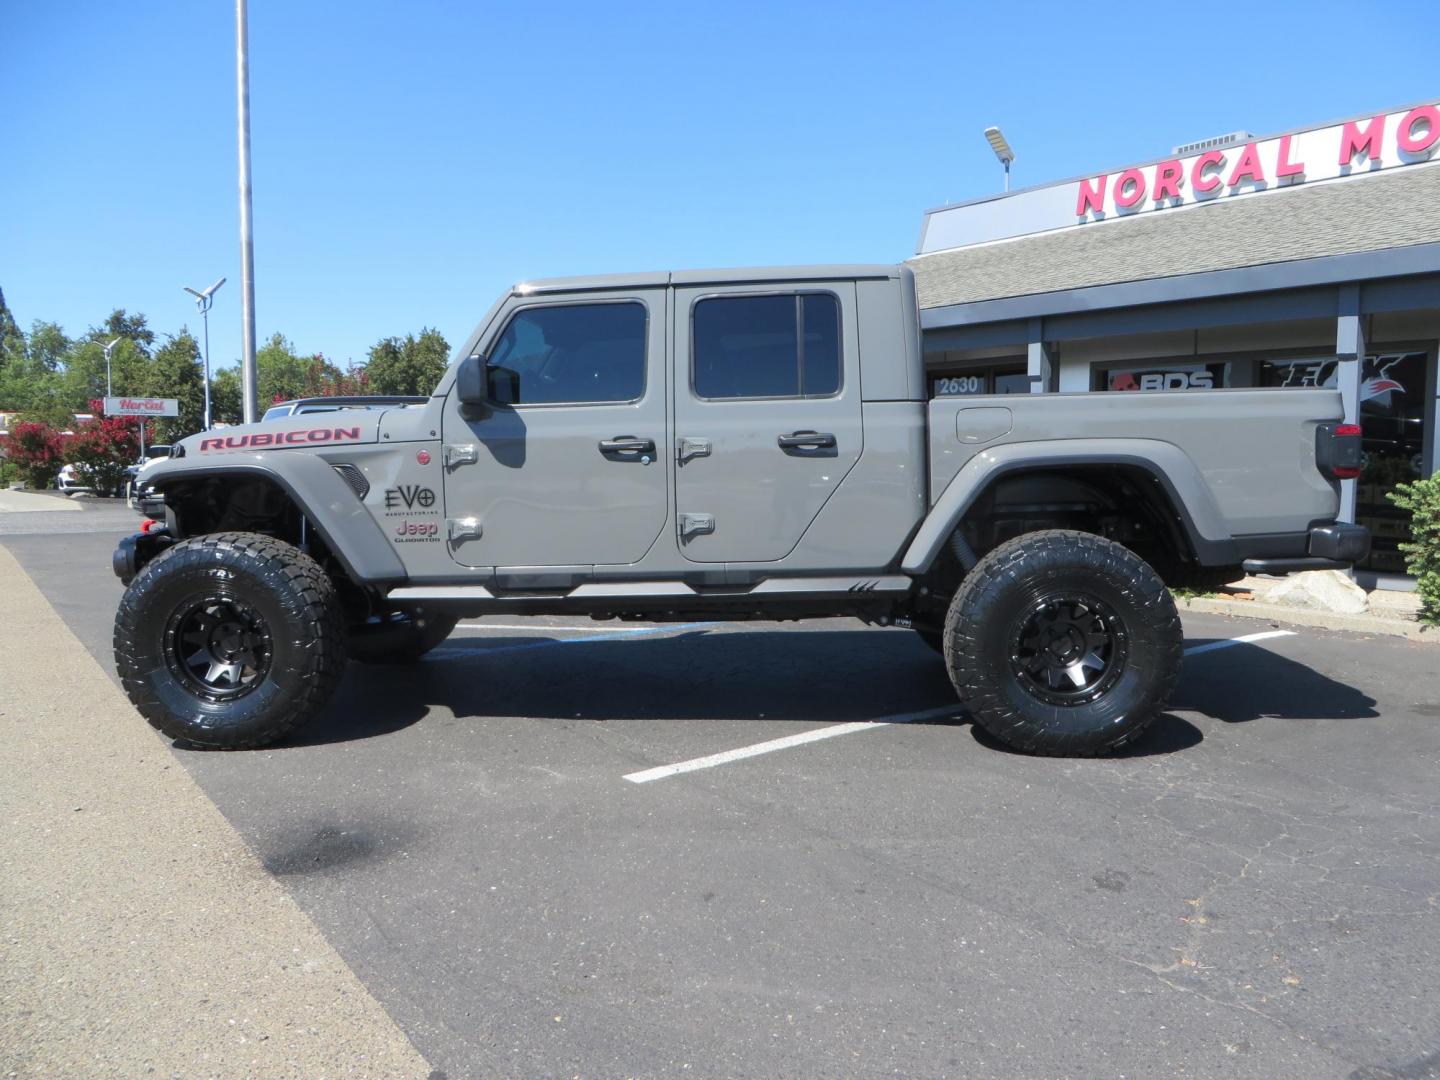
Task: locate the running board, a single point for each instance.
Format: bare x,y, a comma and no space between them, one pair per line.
667,590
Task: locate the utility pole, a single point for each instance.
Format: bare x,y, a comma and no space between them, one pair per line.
247,242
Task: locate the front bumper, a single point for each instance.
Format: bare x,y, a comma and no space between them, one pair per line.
135,550
1330,547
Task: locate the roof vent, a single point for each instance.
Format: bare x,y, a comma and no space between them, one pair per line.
1235,138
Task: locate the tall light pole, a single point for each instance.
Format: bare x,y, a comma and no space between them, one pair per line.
247,243
203,300
1002,150
108,349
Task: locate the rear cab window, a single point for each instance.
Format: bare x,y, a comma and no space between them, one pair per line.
766,346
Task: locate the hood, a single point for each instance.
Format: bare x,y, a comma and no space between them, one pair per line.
308,430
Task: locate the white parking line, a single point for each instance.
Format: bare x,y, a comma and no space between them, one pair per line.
1211,646
725,757
662,771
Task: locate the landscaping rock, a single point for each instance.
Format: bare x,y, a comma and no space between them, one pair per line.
1319,590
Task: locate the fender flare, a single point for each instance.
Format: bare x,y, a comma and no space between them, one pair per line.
330,507
1167,463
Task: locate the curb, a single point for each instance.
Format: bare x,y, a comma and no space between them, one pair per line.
1326,620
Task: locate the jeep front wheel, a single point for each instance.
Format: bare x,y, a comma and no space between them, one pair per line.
1063,643
229,641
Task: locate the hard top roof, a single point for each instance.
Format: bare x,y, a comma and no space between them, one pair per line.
733,276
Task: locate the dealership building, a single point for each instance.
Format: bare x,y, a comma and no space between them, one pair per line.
1306,258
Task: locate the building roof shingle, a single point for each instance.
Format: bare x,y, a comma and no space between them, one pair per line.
1387,210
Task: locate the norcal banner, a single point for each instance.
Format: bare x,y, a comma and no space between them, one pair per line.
149,406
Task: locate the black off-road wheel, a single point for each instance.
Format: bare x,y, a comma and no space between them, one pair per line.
1063,643
400,637
230,641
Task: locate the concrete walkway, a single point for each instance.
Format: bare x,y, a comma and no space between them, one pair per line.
141,936
20,502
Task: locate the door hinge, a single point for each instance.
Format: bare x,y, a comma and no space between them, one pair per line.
461,529
465,454
695,524
685,449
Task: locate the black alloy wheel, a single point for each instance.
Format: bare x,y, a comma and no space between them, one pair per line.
1069,649
219,646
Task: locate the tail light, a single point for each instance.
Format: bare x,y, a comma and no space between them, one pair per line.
1337,450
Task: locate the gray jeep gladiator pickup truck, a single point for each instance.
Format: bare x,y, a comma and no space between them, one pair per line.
723,445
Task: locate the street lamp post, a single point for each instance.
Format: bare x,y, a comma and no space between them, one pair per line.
108,391
203,300
1002,150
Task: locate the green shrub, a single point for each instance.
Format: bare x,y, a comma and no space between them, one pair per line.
1422,554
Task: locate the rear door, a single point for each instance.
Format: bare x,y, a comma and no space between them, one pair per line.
564,467
767,415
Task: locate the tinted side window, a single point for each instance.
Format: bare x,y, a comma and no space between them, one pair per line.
766,346
579,353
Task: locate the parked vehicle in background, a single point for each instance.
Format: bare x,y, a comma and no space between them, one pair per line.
133,484
339,404
69,481
723,445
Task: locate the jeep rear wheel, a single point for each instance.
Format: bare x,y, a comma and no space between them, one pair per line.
1063,643
401,637
230,640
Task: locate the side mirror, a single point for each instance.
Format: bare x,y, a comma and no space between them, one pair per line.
470,381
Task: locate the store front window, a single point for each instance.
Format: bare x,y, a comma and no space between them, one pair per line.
1177,375
1392,424
1001,379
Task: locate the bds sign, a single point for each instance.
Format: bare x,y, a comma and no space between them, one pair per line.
143,406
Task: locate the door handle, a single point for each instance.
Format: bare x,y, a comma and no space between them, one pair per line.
627,444
807,440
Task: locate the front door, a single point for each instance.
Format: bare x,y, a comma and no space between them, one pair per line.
564,467
767,415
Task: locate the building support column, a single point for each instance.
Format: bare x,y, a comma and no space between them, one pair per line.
1350,354
1038,359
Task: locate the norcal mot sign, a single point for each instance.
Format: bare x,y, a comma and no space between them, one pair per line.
1209,174
1355,146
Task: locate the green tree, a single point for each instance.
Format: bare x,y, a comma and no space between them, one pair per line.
30,379
177,372
225,396
123,325
48,345
408,365
12,341
84,377
280,373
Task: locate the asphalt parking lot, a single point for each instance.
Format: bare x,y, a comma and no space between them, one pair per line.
566,848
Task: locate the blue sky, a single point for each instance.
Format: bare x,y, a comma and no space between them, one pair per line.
413,159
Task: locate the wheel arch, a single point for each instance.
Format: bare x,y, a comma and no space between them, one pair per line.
1177,486
196,491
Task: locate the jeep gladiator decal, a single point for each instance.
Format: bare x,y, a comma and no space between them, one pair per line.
260,439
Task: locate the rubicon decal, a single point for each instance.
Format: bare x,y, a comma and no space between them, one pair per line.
260,440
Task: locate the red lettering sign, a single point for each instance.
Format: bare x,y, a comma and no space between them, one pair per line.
1248,167
1355,142
1169,175
1091,197
1129,189
1283,165
1410,143
1198,180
